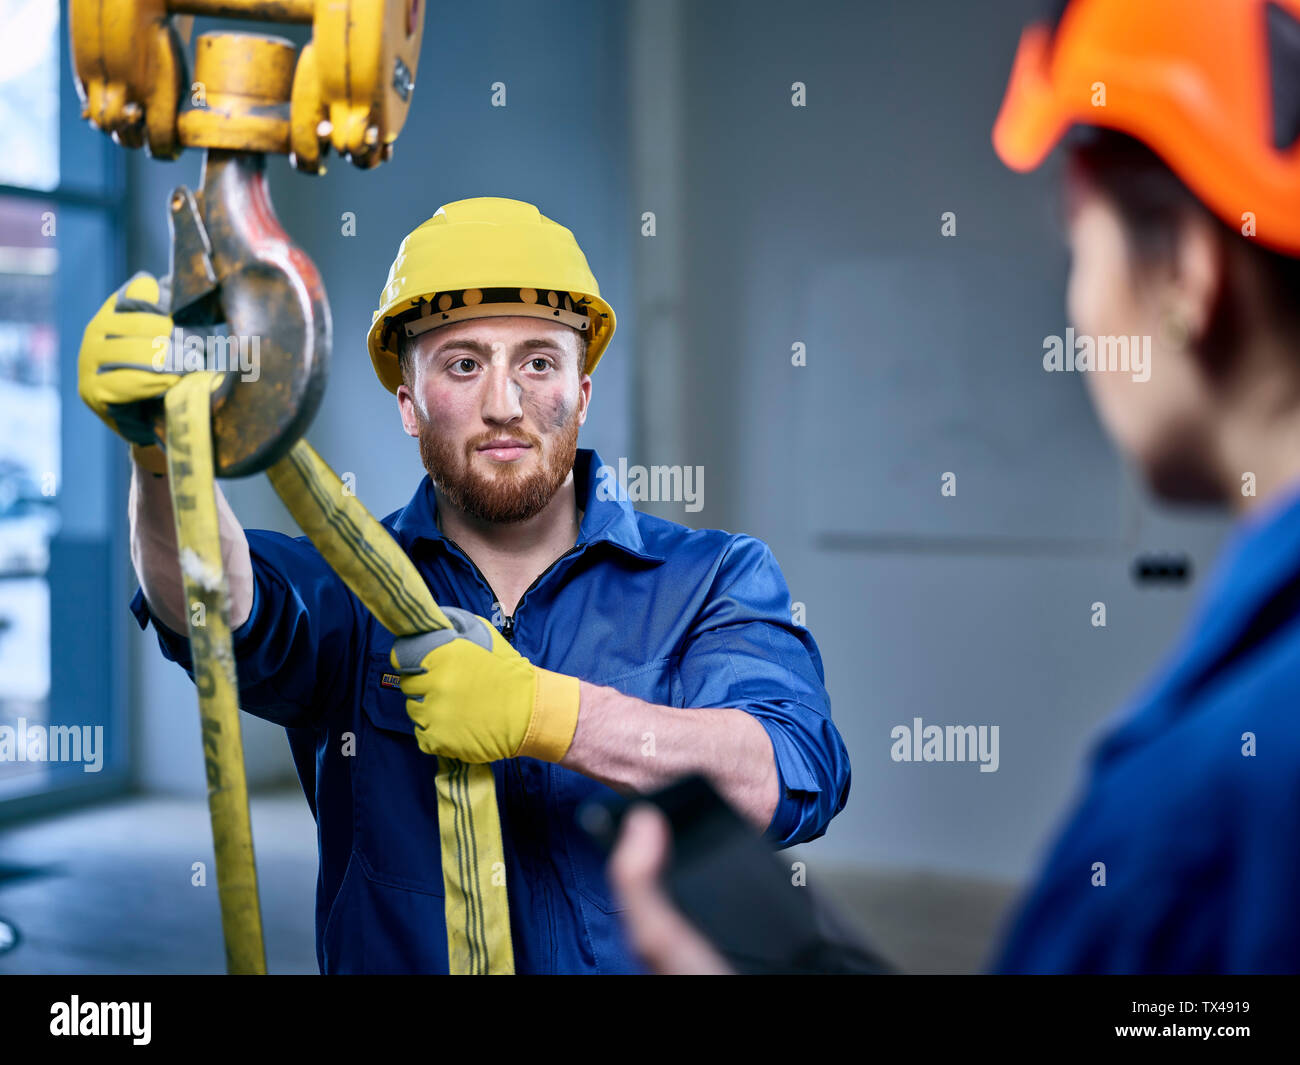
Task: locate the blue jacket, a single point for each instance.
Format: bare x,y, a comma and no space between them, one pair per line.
1193,798
679,617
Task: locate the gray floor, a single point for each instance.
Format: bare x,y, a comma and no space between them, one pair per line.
922,922
109,890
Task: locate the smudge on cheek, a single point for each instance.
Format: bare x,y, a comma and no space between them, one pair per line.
555,411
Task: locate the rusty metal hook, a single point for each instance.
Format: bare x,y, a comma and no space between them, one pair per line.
233,263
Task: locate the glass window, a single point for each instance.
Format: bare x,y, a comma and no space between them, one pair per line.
62,717
29,93
29,467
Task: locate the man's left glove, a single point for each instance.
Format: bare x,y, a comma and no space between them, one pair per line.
474,697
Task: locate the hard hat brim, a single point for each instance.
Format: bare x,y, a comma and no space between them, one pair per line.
600,314
1031,120
1191,82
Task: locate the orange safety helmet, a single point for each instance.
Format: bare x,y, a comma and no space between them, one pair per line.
1211,86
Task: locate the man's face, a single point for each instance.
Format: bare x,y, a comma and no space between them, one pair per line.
496,404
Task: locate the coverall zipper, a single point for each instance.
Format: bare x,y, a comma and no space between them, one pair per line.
508,631
508,625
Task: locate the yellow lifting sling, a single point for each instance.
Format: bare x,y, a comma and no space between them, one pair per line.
233,264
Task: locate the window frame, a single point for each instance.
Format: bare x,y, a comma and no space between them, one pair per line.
96,184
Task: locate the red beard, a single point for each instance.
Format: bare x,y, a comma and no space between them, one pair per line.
507,495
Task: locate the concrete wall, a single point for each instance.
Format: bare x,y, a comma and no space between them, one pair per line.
821,225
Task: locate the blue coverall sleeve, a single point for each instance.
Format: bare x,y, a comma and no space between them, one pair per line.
295,651
745,652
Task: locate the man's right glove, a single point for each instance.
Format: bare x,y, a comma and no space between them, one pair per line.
124,360
472,696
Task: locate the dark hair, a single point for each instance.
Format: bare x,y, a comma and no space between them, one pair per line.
406,345
1151,199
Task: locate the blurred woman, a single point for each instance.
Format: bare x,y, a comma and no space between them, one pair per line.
1180,121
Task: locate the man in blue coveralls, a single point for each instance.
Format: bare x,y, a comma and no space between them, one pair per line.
666,650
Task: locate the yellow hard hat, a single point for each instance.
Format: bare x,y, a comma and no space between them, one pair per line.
485,257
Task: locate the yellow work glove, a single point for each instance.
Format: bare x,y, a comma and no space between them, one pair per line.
123,358
474,697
